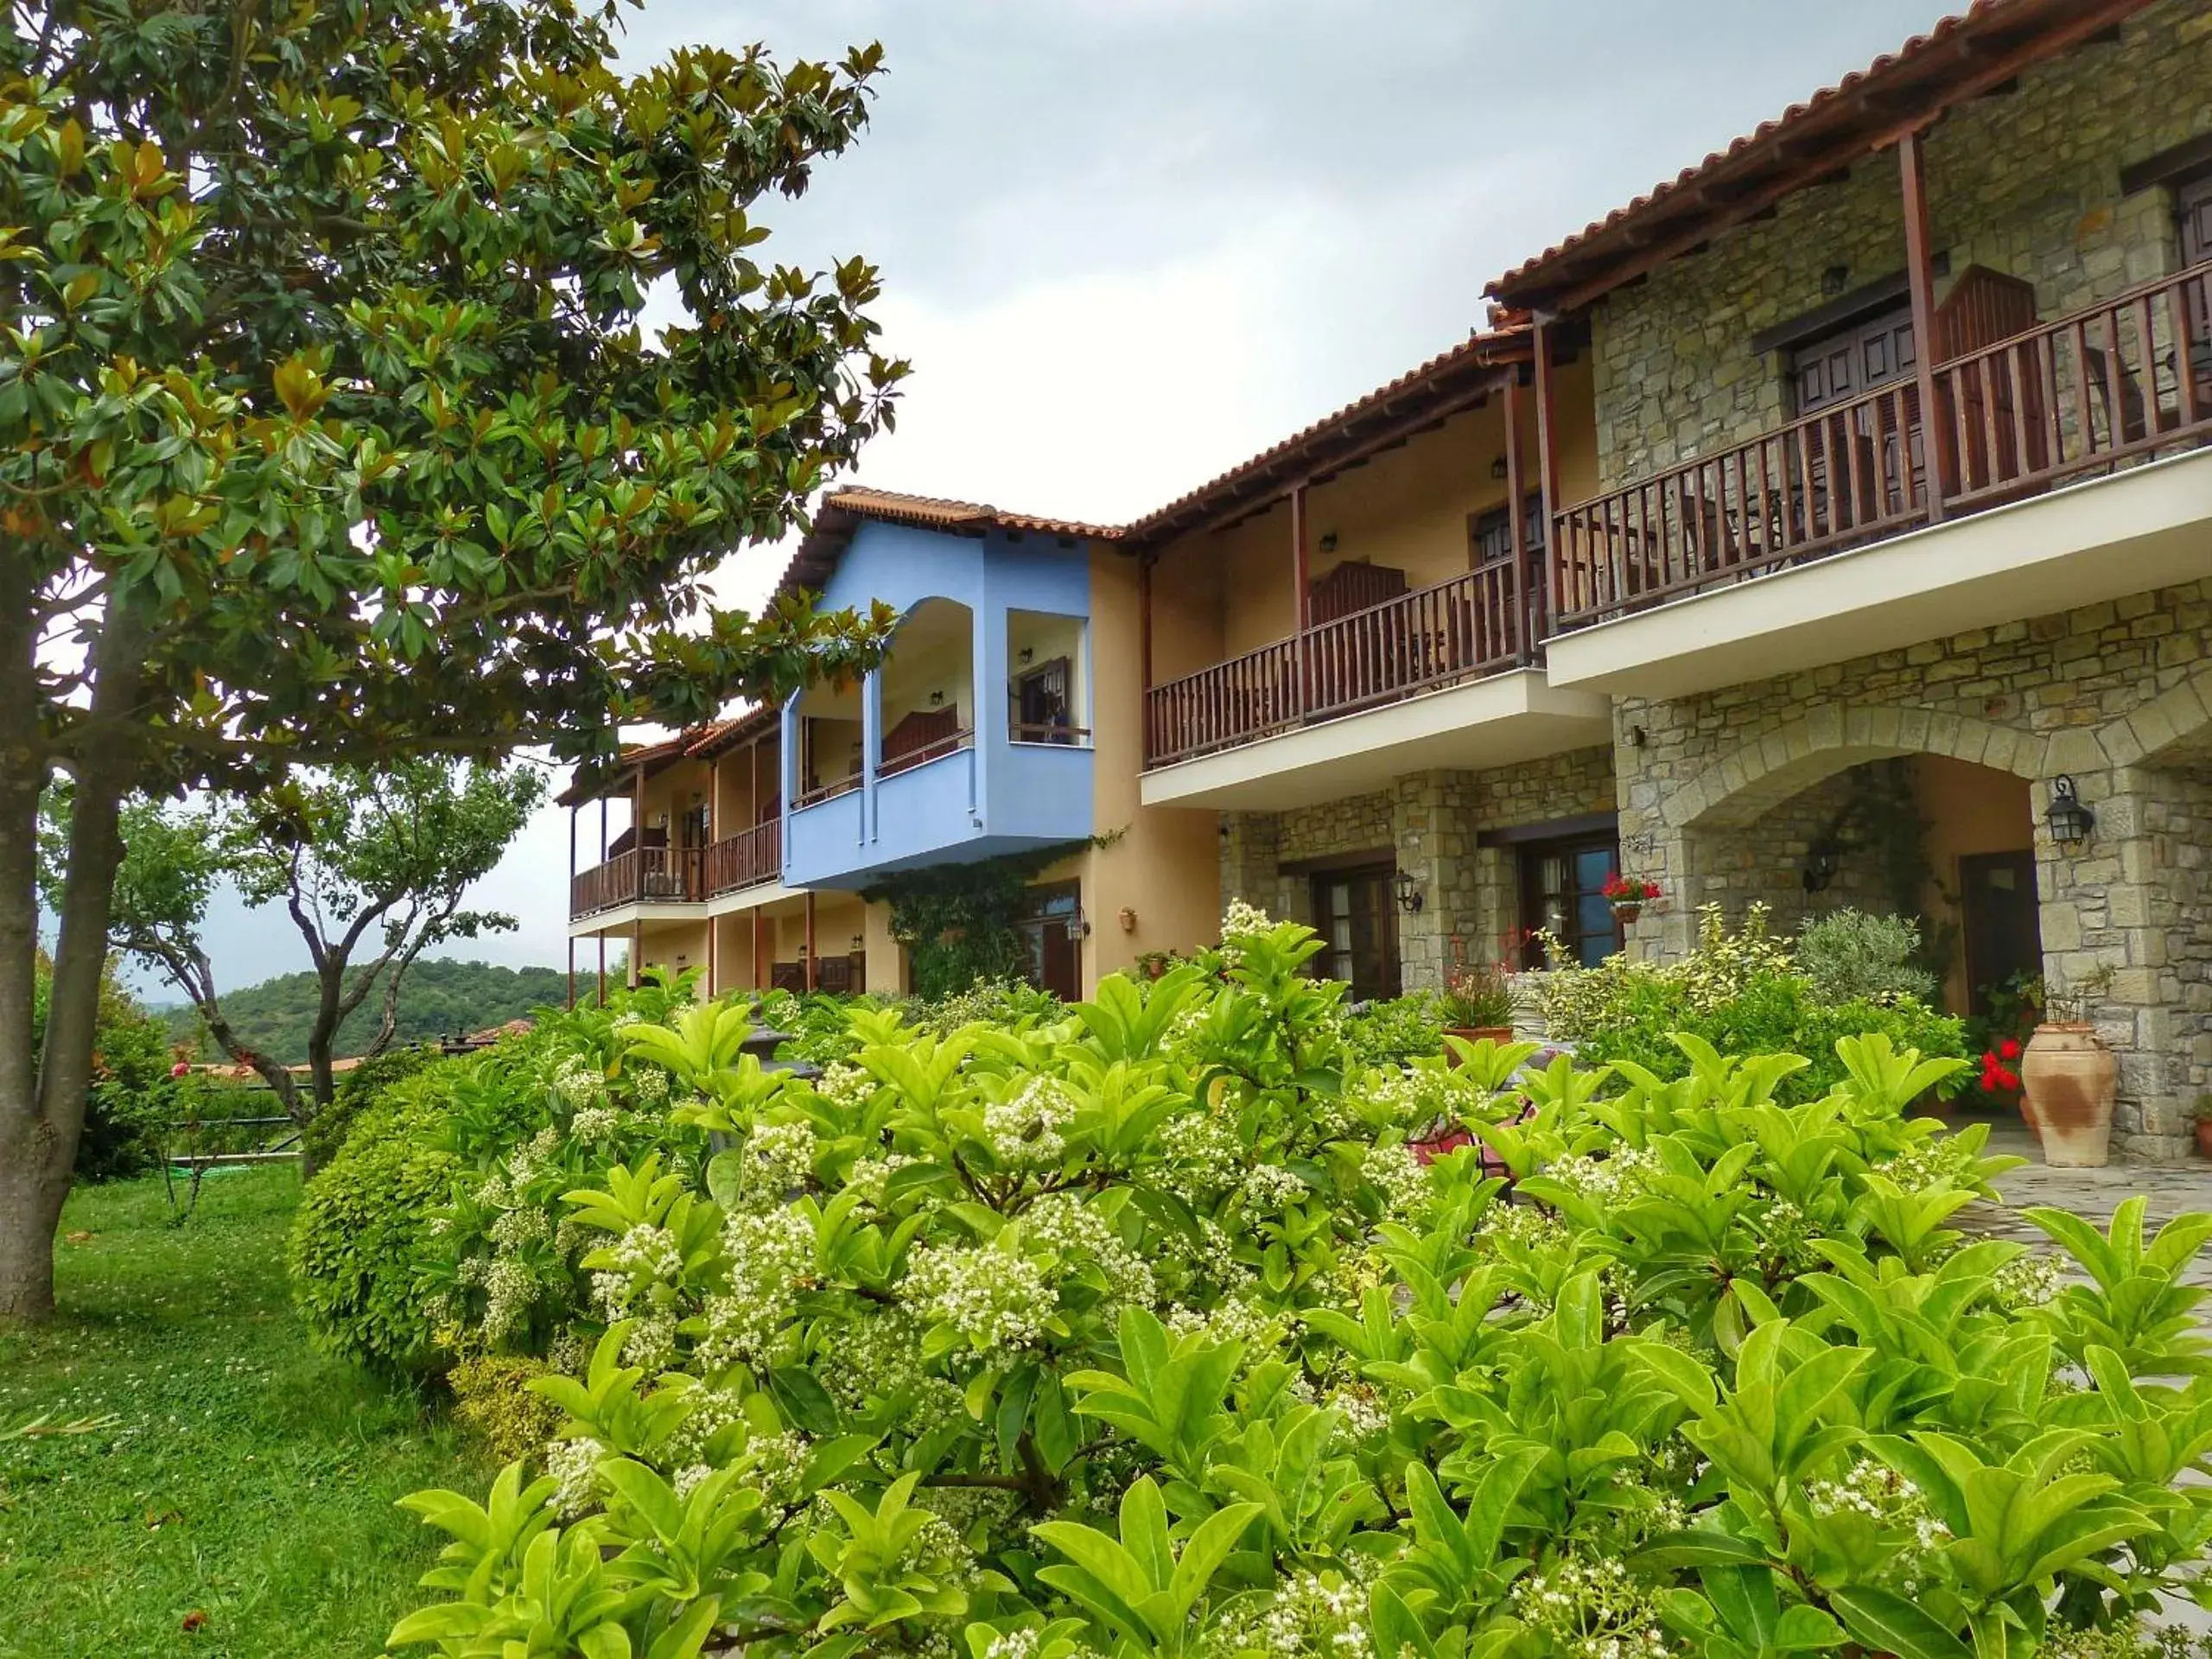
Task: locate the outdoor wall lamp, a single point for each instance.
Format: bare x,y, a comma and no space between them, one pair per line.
1408,891
1029,653
1078,925
1820,868
1497,468
2071,821
860,942
937,699
1329,542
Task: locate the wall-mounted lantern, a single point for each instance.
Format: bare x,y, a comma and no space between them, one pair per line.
2071,821
860,942
1819,868
937,699
1078,925
1408,891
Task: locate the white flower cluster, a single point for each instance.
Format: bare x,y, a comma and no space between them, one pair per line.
509,1292
1202,1156
1270,1187
776,1466
1590,1610
1878,1492
1028,1130
846,1084
1416,1095
1242,920
649,1088
1360,1413
2027,1281
772,1260
1079,1235
1309,1617
578,1084
574,1466
778,1160
992,1297
1234,1320
593,1124
1400,1177
1614,1177
870,1176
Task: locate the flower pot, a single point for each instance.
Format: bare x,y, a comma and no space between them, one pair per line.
2204,1137
2027,1116
2067,1077
1627,913
1474,1034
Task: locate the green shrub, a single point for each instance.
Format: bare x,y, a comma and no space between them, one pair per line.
1394,1031
1850,956
1743,992
1143,1332
368,1225
494,1401
356,1089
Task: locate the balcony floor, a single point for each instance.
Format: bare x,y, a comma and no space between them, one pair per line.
1503,720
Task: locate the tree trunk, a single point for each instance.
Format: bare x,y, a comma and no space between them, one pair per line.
30,1208
42,1118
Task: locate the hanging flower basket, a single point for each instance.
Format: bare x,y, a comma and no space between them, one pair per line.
1628,894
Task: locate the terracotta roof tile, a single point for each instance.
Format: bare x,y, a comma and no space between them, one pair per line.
1465,364
1930,66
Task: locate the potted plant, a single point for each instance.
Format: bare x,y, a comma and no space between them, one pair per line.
1477,1003
2000,1079
1628,895
2069,1077
2202,1114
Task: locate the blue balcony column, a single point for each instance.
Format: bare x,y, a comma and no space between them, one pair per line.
787,768
989,718
871,750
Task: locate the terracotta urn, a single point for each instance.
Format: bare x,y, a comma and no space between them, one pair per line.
2068,1079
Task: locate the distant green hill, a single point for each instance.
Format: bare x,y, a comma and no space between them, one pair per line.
437,999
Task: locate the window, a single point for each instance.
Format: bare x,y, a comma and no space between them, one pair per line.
1563,892
1492,530
2193,203
1352,911
1040,705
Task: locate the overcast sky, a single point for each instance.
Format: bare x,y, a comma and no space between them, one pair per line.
1128,243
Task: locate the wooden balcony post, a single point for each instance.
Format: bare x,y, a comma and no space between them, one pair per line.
1516,490
1920,275
1547,471
602,970
638,844
1300,564
759,983
810,963
572,969
637,975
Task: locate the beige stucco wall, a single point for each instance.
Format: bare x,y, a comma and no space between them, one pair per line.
2026,184
1966,809
1162,866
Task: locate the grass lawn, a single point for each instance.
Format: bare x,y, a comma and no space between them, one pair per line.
247,1481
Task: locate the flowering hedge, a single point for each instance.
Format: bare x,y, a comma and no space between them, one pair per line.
1141,1331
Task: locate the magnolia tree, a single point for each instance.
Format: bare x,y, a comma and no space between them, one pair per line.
328,434
371,866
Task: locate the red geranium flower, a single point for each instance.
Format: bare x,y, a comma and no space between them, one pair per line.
2009,1049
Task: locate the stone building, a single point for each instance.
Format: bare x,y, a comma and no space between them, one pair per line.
1822,528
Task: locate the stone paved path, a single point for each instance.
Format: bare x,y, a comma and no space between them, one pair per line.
2093,1194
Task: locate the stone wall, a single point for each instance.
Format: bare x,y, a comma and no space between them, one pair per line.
1718,791
1430,824
2026,184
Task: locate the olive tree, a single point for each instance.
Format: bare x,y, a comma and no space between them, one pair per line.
370,866
329,435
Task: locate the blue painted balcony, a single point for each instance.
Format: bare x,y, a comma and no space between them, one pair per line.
971,739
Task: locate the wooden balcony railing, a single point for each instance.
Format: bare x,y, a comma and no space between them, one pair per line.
1466,628
922,754
747,859
648,875
2065,400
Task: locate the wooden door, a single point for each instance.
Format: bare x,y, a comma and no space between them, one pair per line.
1356,911
2194,202
1563,892
1833,371
2003,926
1049,924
